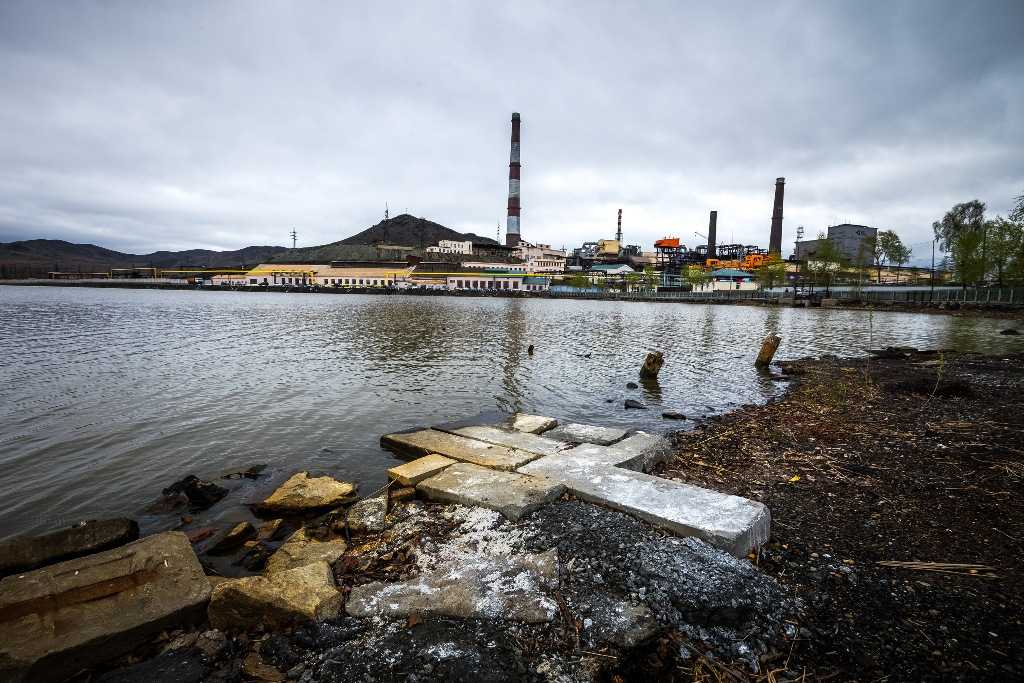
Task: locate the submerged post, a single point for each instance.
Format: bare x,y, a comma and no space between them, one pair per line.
652,365
768,348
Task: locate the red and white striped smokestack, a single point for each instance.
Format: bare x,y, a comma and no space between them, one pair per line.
512,228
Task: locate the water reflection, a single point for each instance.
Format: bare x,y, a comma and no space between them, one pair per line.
106,396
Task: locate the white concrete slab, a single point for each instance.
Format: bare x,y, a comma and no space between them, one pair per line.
521,440
581,433
427,441
600,475
511,494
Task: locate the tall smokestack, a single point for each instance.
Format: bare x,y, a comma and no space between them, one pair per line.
775,239
712,230
618,233
512,228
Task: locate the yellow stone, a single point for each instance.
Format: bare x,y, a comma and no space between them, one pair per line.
412,473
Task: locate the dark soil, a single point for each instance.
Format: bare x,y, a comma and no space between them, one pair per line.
909,458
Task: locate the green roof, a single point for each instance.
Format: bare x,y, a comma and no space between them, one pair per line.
730,272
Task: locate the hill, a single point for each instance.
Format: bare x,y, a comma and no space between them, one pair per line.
403,230
34,258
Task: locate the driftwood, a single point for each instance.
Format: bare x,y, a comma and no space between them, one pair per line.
768,348
652,365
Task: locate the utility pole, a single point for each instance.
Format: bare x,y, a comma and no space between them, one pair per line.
931,295
294,237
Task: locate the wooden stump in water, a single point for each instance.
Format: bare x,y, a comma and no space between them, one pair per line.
652,365
768,348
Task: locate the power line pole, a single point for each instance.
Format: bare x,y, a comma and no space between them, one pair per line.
294,237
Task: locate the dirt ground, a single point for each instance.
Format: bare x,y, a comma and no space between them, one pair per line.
913,457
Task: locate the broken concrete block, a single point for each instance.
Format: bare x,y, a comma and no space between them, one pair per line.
302,493
511,494
521,440
614,620
282,599
481,587
645,450
368,515
580,433
300,549
26,553
66,617
534,424
427,441
415,471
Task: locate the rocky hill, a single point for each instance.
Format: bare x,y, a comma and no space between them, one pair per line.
403,230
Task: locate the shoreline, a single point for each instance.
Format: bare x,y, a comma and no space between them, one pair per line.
916,456
982,309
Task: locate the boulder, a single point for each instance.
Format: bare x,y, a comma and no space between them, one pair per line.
632,385
673,415
300,549
73,615
633,403
276,601
1010,331
233,539
303,493
32,552
201,494
478,587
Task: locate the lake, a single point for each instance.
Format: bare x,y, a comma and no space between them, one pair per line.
109,395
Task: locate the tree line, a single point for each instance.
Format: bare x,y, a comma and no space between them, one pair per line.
982,251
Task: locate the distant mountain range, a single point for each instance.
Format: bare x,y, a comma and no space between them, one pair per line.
31,258
35,258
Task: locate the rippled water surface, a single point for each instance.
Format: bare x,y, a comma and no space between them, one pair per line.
107,395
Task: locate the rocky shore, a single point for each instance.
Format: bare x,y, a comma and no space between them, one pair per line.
506,561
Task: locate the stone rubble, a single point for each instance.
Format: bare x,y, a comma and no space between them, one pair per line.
415,471
279,600
300,549
302,493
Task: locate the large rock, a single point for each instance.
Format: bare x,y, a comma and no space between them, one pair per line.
300,549
276,601
66,617
480,587
511,494
303,493
31,552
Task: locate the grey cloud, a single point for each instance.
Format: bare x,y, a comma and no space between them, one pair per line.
142,126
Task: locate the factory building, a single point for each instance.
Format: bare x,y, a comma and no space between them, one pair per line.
854,243
451,247
541,258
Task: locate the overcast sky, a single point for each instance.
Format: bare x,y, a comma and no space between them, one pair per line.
143,126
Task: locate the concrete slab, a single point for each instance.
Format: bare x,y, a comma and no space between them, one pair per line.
577,462
731,523
69,616
415,471
534,424
511,494
427,441
522,440
645,450
580,433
